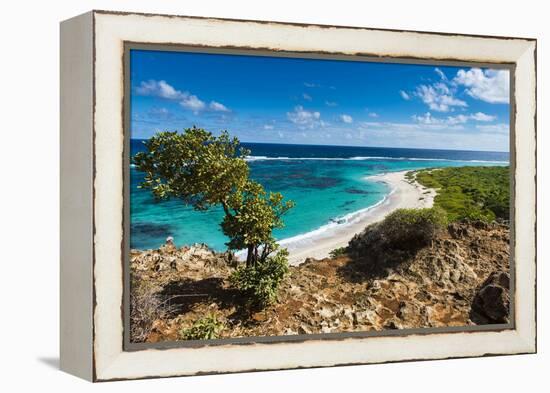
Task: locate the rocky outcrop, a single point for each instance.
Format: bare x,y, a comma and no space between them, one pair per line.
458,279
170,262
491,303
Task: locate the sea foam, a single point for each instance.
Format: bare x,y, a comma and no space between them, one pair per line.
364,158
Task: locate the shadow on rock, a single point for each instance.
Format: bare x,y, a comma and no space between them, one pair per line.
375,265
185,294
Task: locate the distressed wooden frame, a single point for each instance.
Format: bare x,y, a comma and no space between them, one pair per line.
92,194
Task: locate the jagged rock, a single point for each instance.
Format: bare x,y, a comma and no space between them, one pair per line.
491,303
434,286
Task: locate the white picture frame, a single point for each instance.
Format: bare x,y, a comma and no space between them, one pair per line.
92,194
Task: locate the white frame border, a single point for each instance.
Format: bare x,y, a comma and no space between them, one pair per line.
111,30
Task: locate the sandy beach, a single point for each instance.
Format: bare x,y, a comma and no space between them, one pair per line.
403,195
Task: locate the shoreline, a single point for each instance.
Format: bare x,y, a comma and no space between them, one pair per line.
318,244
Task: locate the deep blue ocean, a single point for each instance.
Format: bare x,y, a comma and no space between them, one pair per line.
325,182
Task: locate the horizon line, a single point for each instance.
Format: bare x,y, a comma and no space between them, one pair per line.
352,146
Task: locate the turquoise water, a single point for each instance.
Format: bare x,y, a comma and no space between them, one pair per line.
325,182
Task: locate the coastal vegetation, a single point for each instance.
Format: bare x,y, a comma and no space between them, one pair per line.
409,228
480,193
203,171
207,328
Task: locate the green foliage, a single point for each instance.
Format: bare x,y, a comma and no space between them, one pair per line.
204,170
257,213
207,328
261,281
481,193
196,166
386,244
338,252
411,228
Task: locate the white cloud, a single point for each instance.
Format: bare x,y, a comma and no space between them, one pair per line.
310,84
307,97
160,89
441,74
404,95
218,107
304,118
480,116
346,118
331,103
438,97
268,127
187,100
458,119
491,86
428,119
193,103
373,114
369,125
410,135
501,128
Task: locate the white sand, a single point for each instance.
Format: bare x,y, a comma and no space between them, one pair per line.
403,195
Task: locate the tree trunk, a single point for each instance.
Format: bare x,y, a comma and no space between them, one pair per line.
250,255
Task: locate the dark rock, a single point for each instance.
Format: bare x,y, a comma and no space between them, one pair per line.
491,303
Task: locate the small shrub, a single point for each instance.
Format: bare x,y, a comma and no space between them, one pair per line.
207,328
412,228
338,252
401,232
146,306
261,282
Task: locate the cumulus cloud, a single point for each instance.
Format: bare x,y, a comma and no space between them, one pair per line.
304,118
331,103
268,127
311,84
373,114
307,97
193,103
491,86
217,107
404,95
162,89
346,118
439,97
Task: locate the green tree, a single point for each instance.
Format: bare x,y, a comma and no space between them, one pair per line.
203,171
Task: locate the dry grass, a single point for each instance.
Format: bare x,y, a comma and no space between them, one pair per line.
146,307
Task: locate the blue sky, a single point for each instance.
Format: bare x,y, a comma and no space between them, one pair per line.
326,102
